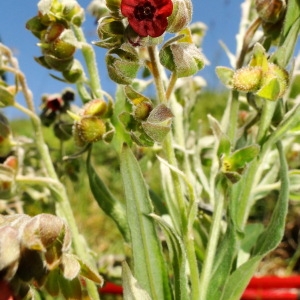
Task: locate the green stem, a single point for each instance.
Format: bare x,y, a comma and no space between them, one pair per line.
171,85
179,193
211,247
90,60
233,117
266,118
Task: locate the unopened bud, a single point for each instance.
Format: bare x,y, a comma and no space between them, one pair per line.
73,12
55,63
54,31
247,79
96,108
142,110
181,15
88,130
61,49
110,32
270,11
122,69
36,26
184,59
75,73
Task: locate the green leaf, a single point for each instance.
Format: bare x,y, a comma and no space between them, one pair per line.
267,241
239,280
244,155
131,288
108,203
289,34
71,289
178,258
148,263
290,120
225,256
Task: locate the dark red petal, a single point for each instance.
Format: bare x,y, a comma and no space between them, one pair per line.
154,27
165,11
127,11
140,27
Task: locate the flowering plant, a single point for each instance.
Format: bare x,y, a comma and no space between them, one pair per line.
190,238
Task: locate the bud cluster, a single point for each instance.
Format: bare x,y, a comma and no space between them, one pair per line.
91,125
35,251
271,13
146,124
261,77
57,41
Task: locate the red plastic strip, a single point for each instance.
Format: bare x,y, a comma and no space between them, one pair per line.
270,282
111,288
271,294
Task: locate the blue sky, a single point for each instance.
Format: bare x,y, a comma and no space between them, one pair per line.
221,17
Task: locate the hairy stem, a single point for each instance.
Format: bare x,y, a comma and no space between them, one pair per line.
178,188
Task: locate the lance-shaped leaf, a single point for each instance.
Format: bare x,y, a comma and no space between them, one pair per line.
178,258
148,263
131,288
108,203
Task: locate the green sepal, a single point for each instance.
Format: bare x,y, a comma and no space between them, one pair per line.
184,59
225,75
270,90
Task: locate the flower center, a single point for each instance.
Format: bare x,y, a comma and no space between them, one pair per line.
144,11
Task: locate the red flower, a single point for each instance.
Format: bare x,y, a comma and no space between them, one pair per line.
147,17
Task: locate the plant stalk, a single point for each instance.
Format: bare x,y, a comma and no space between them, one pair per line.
179,193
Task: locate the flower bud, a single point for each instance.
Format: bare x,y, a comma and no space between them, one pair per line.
122,69
110,32
62,130
55,63
96,108
247,79
142,110
36,26
73,12
182,58
61,49
75,73
88,130
270,11
181,15
54,30
158,123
